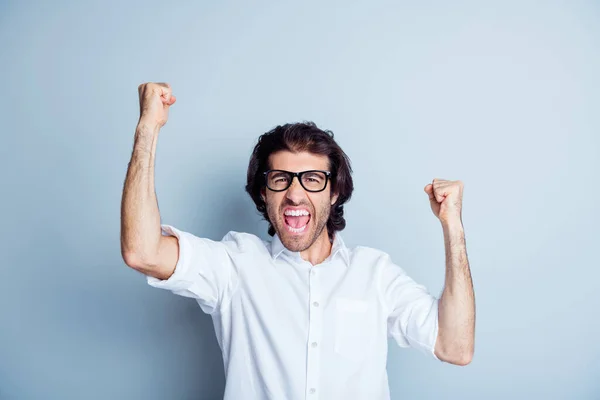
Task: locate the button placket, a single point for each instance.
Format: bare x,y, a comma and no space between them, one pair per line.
314,336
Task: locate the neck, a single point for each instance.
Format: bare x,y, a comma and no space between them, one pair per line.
319,250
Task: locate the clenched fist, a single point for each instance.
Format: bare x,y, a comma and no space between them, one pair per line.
445,198
155,100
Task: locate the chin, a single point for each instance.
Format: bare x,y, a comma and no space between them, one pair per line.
299,241
294,246
295,242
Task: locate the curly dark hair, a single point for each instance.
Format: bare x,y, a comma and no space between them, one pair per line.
298,137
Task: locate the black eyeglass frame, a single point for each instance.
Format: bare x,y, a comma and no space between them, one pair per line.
299,176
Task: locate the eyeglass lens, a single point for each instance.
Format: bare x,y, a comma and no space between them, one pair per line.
310,180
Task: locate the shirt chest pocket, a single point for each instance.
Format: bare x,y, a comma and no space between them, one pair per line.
350,330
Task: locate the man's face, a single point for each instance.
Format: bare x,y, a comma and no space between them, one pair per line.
317,204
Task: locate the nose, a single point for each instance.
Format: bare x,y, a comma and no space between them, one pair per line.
295,192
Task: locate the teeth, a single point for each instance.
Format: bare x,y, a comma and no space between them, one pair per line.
296,230
296,213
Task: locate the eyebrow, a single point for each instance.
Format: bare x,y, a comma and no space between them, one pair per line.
306,170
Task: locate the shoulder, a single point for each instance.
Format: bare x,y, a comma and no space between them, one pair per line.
365,253
244,242
232,241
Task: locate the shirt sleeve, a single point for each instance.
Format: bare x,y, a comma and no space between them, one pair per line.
412,312
205,270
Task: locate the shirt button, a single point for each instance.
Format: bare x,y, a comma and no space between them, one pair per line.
313,272
316,304
314,344
312,390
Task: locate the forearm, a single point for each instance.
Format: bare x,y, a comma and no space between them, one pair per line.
456,315
140,217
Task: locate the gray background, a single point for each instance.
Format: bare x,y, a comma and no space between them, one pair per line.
503,96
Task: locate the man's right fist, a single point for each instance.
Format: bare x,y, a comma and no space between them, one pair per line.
155,100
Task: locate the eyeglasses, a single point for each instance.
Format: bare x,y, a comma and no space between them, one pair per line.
313,180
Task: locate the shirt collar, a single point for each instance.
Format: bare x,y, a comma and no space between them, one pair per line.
338,246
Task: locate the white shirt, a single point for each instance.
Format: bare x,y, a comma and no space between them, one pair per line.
290,330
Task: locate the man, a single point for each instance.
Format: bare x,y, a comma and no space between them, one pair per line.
301,316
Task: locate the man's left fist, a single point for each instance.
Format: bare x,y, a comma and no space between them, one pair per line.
445,198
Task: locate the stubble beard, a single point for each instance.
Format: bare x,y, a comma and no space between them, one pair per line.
303,242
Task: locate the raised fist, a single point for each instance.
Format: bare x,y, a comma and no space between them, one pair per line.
155,100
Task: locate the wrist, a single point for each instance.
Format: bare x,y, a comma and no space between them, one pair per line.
145,138
147,127
452,223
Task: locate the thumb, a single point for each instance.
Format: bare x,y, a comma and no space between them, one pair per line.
165,92
168,99
429,190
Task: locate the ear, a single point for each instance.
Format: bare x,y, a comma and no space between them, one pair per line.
263,194
334,198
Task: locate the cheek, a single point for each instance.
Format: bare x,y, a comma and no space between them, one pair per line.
272,204
323,206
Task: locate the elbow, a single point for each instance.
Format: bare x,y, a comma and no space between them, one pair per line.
457,356
131,259
134,260
463,359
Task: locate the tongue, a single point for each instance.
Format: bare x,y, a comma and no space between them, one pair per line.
297,222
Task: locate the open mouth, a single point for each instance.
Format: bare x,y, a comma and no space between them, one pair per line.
296,221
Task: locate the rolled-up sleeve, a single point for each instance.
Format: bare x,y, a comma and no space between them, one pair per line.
205,270
412,312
